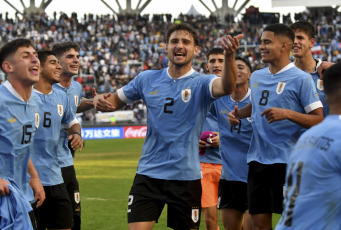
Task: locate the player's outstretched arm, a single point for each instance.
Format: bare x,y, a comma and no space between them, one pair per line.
75,137
37,187
234,116
227,83
4,190
302,119
87,104
107,103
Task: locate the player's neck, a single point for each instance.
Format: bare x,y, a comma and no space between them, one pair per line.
240,92
43,86
22,88
65,80
278,65
307,64
178,71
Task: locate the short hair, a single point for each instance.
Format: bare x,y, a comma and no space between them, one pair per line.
282,30
43,54
332,79
215,50
247,63
305,26
11,47
61,47
185,27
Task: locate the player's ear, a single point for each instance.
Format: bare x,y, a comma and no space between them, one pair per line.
7,67
312,42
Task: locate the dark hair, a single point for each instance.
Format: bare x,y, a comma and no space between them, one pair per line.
43,54
247,63
61,47
332,79
215,50
306,26
186,27
281,29
12,47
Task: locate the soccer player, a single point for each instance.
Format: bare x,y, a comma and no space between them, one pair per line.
234,145
19,118
304,41
312,188
56,113
211,160
283,99
177,100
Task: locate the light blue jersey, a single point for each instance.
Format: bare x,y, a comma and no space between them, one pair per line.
14,209
212,154
56,113
234,141
313,181
319,88
290,88
74,93
18,123
176,112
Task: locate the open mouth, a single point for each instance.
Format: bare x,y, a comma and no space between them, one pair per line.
34,70
179,54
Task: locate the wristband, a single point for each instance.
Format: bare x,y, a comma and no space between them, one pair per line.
76,133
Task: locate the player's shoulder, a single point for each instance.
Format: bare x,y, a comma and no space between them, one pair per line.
76,84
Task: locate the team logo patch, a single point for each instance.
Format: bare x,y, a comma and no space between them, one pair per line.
77,197
60,109
319,84
280,87
76,100
186,95
36,120
195,215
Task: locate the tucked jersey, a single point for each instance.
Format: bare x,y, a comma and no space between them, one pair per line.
234,141
212,154
56,113
19,120
290,88
176,112
74,93
14,209
313,183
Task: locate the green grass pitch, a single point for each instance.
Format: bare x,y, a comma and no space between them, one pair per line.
105,170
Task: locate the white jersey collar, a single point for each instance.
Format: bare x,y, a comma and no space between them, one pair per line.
183,76
246,96
289,66
41,92
10,88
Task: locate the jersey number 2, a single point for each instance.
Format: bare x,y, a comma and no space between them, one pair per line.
168,104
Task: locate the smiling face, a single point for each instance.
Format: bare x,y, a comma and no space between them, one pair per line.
215,64
243,73
50,70
70,63
303,44
270,47
181,48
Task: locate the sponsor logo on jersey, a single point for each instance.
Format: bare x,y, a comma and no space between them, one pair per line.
186,94
280,87
195,214
13,119
60,109
319,84
76,100
224,111
36,120
155,92
255,85
77,197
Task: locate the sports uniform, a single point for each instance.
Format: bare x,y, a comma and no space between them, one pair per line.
177,109
319,88
271,143
312,189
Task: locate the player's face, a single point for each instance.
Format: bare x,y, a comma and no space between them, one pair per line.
215,64
243,73
23,65
70,63
270,47
51,69
181,48
302,44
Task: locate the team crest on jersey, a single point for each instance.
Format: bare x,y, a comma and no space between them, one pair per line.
36,120
76,100
195,215
77,197
319,84
186,94
60,109
280,87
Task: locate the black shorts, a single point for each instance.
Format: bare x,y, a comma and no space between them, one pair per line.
232,194
56,210
148,196
265,187
72,186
